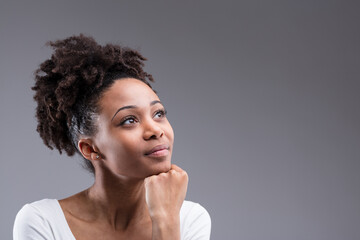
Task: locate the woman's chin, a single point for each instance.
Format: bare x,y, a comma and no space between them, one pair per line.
161,168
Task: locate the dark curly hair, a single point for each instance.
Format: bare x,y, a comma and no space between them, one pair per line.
69,85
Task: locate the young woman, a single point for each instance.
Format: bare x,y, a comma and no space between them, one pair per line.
97,101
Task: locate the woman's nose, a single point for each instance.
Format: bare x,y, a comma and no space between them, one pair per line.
152,130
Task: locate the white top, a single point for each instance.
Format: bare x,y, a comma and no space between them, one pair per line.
45,220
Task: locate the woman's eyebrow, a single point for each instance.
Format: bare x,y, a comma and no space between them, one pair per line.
134,106
122,108
155,102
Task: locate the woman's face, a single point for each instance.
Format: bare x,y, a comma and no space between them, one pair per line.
134,137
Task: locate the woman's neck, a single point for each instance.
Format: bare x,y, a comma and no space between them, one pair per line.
120,202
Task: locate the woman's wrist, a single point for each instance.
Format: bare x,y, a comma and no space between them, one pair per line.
165,227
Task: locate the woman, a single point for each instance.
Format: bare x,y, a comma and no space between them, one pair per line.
97,101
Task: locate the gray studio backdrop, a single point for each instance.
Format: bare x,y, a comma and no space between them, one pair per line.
263,97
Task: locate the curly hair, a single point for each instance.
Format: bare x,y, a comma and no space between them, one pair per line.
69,85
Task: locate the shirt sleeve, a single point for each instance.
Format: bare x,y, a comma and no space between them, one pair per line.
31,225
198,224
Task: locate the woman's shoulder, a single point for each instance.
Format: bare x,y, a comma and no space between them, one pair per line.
36,220
33,219
38,209
192,207
195,221
41,205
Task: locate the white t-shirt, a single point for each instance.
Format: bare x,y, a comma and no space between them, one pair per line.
45,220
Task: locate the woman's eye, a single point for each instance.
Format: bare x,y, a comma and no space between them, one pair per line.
160,113
128,121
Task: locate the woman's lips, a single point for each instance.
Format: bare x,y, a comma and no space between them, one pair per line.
158,151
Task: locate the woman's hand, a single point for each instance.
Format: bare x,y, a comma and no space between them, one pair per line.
165,194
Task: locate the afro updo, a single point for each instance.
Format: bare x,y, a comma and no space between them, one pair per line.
69,84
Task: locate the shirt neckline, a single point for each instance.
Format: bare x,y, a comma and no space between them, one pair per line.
63,218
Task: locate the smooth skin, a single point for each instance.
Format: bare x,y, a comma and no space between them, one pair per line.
136,195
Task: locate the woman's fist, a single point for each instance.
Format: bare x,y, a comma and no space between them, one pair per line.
165,193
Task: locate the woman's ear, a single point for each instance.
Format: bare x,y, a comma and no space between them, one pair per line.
88,150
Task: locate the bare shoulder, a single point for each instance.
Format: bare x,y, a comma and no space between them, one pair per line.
75,206
72,200
78,216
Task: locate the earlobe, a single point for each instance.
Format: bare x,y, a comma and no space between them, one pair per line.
95,156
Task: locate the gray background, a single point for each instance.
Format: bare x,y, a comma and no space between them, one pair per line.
263,97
